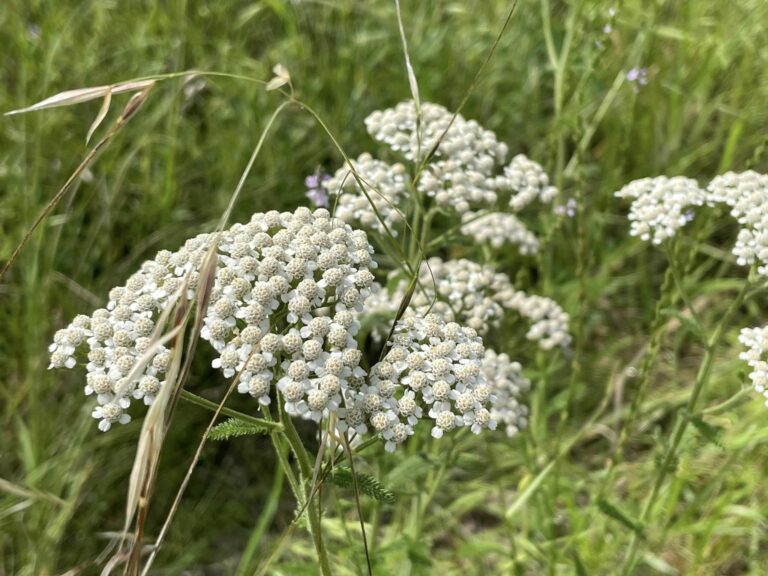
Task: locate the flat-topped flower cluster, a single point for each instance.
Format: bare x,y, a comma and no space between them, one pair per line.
429,363
476,296
284,312
290,290
287,291
463,172
661,206
755,340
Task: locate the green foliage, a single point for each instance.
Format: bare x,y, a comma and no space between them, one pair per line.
234,428
170,174
367,484
613,511
712,434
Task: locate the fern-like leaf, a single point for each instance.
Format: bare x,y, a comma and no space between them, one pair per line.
233,428
368,485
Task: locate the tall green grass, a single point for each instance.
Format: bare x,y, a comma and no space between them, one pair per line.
550,92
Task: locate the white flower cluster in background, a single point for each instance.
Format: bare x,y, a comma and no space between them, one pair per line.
385,186
475,296
467,292
549,322
527,181
498,229
755,340
287,291
508,385
465,172
746,194
661,205
461,170
433,370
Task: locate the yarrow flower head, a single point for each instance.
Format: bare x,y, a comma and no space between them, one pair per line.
508,385
464,154
463,171
432,371
660,205
479,297
385,187
287,292
746,194
498,229
528,182
755,340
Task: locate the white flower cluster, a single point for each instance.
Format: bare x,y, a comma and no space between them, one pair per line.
756,342
464,173
117,337
476,296
528,182
746,194
433,370
508,385
549,322
288,288
499,228
461,172
385,186
661,205
467,292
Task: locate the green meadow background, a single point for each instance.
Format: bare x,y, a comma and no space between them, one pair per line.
556,90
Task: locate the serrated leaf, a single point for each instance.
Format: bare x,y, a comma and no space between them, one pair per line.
367,484
711,434
234,428
613,512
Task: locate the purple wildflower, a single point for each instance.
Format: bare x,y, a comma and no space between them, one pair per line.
568,209
312,181
316,193
639,75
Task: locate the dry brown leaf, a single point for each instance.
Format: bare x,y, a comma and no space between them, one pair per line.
79,95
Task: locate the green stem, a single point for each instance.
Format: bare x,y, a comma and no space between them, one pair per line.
702,377
654,345
213,407
679,283
305,471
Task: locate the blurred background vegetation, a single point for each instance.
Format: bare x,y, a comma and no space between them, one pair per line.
171,172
